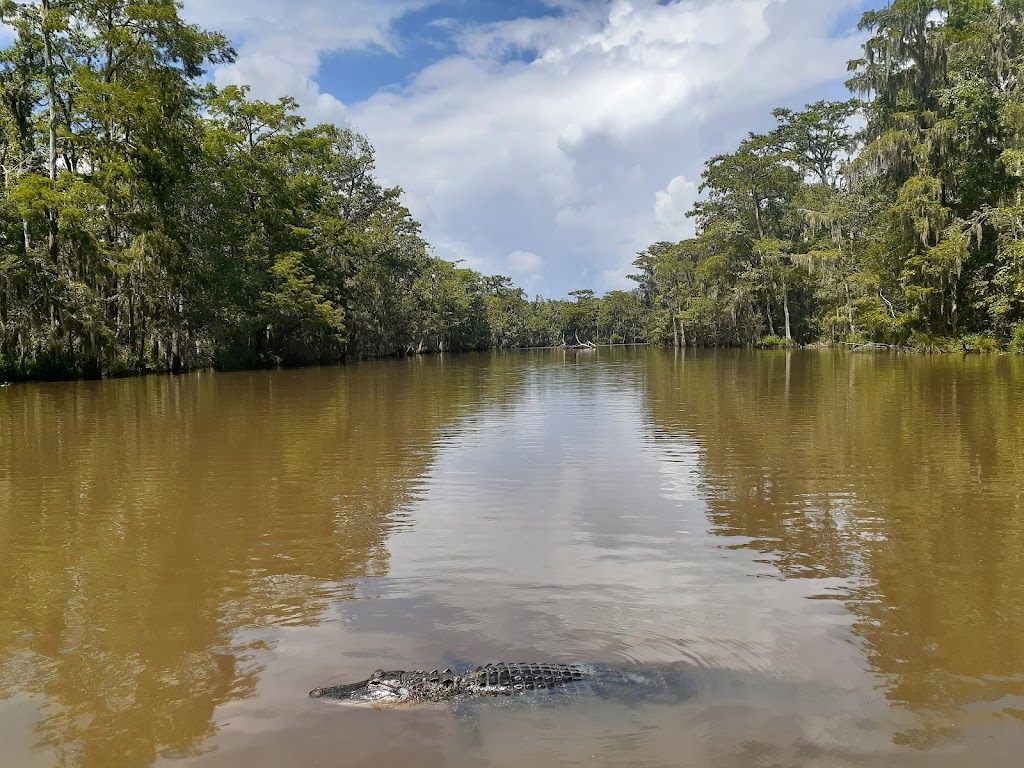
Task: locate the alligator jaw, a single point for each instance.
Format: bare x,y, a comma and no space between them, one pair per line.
361,693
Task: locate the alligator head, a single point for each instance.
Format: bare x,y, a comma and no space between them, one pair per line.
384,688
379,688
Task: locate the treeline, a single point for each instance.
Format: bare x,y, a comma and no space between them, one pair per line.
908,231
149,221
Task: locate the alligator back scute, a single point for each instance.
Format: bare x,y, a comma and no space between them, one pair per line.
512,677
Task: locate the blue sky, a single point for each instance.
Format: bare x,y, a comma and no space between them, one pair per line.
549,140
421,37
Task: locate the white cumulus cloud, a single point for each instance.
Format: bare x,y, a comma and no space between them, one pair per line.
283,41
553,135
671,206
563,147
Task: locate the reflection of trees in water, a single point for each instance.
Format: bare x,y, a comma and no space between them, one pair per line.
153,526
903,473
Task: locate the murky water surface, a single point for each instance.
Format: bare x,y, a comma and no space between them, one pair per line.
833,543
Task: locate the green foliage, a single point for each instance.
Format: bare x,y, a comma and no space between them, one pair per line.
301,323
909,231
817,138
770,342
150,222
926,342
1017,340
976,342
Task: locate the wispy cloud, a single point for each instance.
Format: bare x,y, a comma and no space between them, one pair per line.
283,42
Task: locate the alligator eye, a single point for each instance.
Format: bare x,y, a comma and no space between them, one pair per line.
374,682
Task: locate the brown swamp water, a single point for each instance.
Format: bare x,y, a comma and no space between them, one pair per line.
838,538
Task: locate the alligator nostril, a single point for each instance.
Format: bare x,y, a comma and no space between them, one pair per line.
317,693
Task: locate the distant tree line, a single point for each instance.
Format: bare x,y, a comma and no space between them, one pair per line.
149,221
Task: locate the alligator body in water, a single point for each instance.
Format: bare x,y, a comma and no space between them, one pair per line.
504,679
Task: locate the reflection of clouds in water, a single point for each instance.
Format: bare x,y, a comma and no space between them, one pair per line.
915,517
685,480
560,525
680,470
19,714
569,522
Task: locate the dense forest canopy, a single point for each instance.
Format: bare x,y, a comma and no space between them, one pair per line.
149,221
908,230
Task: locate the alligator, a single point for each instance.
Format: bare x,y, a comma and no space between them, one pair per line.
503,679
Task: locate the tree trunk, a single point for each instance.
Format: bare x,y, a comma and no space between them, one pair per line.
849,306
953,306
757,217
51,95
